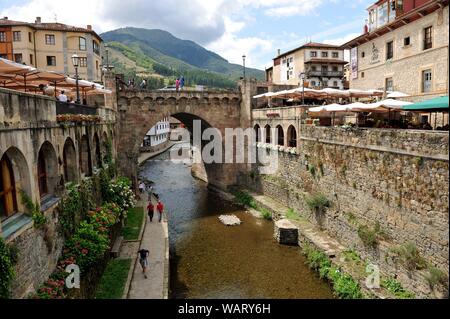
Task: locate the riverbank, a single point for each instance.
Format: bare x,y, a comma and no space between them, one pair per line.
144,157
325,254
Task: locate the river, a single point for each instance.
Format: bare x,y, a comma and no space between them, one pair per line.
209,260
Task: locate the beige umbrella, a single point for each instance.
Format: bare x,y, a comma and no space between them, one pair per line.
10,67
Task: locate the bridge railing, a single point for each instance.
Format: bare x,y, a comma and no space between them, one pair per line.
159,91
72,108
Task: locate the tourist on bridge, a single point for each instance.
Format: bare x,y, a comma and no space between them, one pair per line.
160,208
143,260
62,97
182,82
143,85
150,210
177,84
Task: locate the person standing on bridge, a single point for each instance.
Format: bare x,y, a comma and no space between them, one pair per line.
182,83
160,208
177,84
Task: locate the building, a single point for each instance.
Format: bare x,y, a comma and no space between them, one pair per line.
158,135
404,48
50,46
322,64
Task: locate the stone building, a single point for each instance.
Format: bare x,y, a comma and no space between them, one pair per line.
404,48
323,65
39,156
50,46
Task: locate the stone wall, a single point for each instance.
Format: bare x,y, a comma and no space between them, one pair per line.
396,178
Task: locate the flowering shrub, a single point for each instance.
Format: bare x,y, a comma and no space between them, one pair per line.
78,118
51,289
104,218
121,194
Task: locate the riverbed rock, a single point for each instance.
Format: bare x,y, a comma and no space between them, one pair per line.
230,220
286,233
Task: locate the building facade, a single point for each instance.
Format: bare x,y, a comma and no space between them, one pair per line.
50,46
322,64
158,134
404,48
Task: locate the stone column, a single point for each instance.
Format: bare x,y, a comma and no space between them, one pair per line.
111,84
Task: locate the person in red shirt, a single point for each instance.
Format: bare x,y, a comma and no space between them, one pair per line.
160,208
150,210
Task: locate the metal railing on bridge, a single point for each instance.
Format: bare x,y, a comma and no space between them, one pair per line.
72,108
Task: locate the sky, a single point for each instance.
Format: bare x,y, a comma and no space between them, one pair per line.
231,28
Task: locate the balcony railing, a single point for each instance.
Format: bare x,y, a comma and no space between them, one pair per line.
325,73
72,108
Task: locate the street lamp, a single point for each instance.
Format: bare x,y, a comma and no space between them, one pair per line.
302,77
243,59
76,62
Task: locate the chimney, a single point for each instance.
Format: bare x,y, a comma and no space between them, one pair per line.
278,52
38,20
89,27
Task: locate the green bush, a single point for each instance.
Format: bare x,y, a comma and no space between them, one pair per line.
39,220
8,258
245,199
317,202
266,214
371,236
409,256
436,276
395,288
71,207
293,215
120,193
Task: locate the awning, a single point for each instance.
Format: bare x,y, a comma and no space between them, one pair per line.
434,105
10,67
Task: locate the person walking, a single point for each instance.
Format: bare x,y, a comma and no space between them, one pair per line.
182,83
143,260
177,84
150,210
142,187
160,209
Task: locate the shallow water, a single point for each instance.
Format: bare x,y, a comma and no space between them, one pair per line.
210,260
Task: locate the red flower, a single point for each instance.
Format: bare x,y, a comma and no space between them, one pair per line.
84,251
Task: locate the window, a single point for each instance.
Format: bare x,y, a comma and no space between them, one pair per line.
51,60
8,201
335,69
96,47
313,54
82,43
42,174
389,50
30,38
335,84
427,81
362,74
389,85
428,38
83,62
3,36
407,41
363,54
324,54
17,36
313,68
383,14
335,55
18,58
313,83
324,68
50,39
4,56
31,59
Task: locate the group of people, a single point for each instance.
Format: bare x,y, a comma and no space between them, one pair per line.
144,253
179,83
65,99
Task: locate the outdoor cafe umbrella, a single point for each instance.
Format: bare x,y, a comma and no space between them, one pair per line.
439,104
10,67
396,95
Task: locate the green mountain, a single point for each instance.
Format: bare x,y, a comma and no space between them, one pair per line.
156,52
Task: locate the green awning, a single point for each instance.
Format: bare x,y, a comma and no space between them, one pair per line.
434,105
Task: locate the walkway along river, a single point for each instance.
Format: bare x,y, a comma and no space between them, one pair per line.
210,260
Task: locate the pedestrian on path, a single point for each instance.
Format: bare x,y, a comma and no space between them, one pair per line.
142,187
143,260
150,210
160,208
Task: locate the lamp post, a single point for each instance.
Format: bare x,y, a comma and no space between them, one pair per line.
75,62
243,60
302,77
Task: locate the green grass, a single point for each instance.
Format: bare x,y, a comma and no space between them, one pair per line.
133,225
293,215
114,279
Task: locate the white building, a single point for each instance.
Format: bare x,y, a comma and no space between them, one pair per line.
158,134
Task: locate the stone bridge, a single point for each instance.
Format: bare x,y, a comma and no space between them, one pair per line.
141,110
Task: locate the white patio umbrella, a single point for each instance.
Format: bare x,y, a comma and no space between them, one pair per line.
396,95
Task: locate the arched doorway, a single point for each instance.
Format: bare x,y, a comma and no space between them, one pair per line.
257,133
85,156
292,136
268,134
70,161
8,195
47,169
280,134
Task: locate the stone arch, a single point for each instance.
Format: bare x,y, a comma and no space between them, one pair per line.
280,135
257,129
171,101
215,101
47,170
160,100
123,103
183,100
18,180
268,134
104,142
135,102
225,101
292,136
84,151
97,151
235,100
70,161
